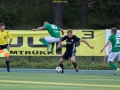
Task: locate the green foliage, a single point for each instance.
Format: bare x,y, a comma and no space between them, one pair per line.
8,12
105,14
52,63
71,14
27,14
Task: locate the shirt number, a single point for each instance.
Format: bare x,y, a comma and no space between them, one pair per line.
54,27
117,40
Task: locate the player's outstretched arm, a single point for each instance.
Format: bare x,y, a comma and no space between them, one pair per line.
105,46
62,31
59,44
39,28
10,41
81,40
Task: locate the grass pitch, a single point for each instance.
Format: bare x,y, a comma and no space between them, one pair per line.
50,80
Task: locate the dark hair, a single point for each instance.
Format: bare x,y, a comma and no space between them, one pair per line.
2,24
69,31
114,30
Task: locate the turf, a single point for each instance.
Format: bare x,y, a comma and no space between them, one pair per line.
49,80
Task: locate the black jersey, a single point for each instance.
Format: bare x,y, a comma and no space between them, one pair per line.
71,43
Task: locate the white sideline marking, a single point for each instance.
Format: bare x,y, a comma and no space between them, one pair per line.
56,83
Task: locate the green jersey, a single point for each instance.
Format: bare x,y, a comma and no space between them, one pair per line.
53,30
115,42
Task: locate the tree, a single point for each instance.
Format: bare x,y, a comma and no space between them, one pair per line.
58,18
8,12
84,13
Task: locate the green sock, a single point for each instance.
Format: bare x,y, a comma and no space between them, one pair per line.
112,64
52,46
44,41
119,62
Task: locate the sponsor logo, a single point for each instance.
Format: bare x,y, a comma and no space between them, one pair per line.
33,52
29,42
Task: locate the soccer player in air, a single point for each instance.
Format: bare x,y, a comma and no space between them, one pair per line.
70,49
114,39
4,44
54,32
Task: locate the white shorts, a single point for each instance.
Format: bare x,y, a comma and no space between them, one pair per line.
50,39
114,55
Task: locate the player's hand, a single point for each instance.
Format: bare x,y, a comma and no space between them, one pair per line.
91,47
101,51
58,46
34,29
8,46
62,33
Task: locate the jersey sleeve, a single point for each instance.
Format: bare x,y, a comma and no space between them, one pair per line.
45,26
64,38
77,39
9,35
110,38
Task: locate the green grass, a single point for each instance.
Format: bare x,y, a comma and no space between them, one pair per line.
54,81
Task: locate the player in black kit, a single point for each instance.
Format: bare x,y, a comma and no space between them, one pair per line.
70,49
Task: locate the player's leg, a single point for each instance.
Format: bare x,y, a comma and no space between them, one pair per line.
46,42
52,40
42,39
111,58
74,62
6,58
118,58
7,63
52,47
65,56
61,64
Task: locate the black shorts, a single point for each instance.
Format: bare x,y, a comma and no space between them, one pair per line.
66,56
3,46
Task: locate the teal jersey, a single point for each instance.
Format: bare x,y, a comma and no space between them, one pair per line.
115,42
53,30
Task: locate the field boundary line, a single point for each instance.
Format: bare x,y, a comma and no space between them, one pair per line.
57,83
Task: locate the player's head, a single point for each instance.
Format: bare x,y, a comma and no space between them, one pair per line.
2,26
46,22
113,30
69,33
